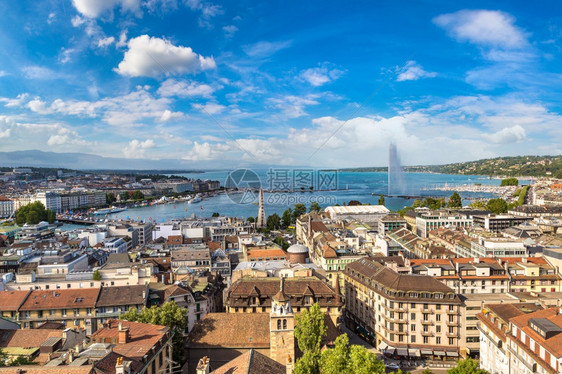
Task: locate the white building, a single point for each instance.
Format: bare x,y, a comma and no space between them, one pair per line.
115,245
431,221
362,213
166,229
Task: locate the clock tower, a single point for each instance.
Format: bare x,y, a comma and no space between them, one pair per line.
282,328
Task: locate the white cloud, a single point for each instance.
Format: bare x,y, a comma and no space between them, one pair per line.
153,57
137,148
229,30
169,115
208,11
183,88
3,73
66,54
40,73
320,75
105,42
51,17
210,108
413,71
293,106
38,106
122,42
96,8
507,135
265,49
17,102
483,27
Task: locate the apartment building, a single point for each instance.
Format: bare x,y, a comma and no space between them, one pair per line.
534,342
254,295
7,207
494,326
499,222
404,315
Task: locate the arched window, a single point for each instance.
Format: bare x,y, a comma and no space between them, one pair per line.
278,324
284,324
281,310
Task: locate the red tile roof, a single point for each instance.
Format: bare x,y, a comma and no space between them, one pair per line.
12,300
61,299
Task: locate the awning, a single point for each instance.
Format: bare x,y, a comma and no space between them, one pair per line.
383,346
452,354
402,351
427,352
390,350
413,352
439,353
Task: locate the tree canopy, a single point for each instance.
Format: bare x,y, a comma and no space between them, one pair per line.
298,210
287,218
497,206
455,200
34,213
342,359
273,222
510,182
315,207
381,200
468,366
169,314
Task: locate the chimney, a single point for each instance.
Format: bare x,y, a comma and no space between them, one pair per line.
78,348
70,356
122,367
123,334
203,366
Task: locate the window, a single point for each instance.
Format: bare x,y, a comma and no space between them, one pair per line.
412,327
425,340
278,324
413,316
438,340
284,324
413,339
438,317
451,341
438,328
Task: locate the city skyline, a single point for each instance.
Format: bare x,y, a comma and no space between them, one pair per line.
321,84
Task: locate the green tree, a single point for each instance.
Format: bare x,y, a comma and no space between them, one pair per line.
509,182
315,207
354,203
34,213
427,371
169,314
349,359
286,218
497,206
250,219
96,276
216,214
137,195
468,366
381,200
273,222
124,196
298,210
109,198
281,242
455,200
478,204
309,332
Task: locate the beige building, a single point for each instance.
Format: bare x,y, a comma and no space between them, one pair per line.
404,315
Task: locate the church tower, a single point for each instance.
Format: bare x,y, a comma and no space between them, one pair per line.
282,328
261,211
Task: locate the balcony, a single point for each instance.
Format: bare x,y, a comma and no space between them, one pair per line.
452,323
427,322
427,333
452,334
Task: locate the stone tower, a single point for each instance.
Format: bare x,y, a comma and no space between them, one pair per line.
261,211
282,328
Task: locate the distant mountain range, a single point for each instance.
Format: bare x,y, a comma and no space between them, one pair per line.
84,161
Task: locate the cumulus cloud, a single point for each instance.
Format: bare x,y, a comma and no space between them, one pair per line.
184,88
483,27
152,57
96,8
507,135
169,115
265,49
137,148
413,71
3,73
17,102
320,75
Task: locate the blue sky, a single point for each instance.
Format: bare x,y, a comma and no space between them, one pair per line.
319,83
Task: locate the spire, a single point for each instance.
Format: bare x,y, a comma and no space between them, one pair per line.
261,211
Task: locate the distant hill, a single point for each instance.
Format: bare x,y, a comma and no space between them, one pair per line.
535,166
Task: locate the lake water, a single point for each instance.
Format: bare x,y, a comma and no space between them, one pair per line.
365,187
